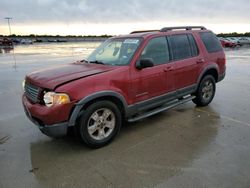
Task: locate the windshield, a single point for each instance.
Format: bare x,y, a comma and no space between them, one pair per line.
115,51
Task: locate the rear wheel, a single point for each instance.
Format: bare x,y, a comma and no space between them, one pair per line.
206,91
99,124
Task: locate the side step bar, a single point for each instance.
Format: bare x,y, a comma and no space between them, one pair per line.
167,106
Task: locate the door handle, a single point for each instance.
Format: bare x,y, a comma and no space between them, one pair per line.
200,61
171,68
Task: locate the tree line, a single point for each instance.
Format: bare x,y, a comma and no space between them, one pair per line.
55,36
234,34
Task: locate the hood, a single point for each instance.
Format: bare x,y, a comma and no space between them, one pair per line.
52,77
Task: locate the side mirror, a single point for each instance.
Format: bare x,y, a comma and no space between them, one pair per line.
144,63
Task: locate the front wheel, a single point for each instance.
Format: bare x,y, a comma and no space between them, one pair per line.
99,124
206,91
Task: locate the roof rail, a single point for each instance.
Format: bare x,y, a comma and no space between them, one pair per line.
165,29
144,31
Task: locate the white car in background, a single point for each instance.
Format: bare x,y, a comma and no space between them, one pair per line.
244,41
26,41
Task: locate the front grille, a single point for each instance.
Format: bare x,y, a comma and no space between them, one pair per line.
32,92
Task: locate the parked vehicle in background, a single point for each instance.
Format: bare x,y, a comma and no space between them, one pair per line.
15,41
26,41
227,43
244,41
234,40
127,78
5,43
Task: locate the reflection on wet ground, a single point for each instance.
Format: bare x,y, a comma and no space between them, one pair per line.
143,155
183,147
5,50
62,49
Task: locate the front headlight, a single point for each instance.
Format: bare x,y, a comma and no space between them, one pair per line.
52,98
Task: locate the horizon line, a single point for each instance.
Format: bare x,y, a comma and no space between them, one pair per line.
102,35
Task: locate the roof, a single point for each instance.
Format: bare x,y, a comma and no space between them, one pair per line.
146,33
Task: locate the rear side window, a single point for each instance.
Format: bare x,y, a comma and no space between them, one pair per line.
211,42
157,50
180,47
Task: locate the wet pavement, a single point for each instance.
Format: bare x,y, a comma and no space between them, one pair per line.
183,147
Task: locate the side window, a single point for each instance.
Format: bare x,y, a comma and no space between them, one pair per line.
193,45
211,42
180,46
157,50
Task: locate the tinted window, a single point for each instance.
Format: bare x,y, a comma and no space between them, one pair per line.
180,47
157,50
211,42
193,45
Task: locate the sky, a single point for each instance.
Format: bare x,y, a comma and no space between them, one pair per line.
114,17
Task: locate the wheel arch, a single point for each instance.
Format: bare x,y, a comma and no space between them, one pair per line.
112,96
210,70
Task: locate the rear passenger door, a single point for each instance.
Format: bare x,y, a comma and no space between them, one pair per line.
186,59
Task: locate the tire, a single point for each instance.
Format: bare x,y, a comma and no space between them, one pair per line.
99,124
206,91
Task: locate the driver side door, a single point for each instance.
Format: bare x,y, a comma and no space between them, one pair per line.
155,81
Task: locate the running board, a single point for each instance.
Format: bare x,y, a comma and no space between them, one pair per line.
167,106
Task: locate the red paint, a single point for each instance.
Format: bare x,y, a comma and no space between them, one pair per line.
226,43
79,80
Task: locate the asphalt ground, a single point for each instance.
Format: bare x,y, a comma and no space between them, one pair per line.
182,147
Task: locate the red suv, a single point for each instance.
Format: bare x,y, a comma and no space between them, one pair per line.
127,78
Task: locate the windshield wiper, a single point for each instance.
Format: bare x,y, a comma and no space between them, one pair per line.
84,61
97,62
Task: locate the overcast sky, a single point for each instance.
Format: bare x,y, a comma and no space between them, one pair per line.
104,16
